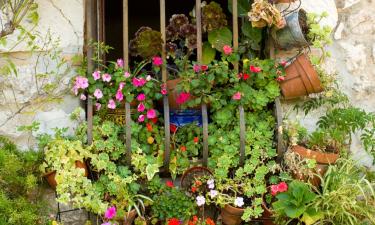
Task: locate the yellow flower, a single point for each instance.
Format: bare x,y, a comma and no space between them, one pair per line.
150,140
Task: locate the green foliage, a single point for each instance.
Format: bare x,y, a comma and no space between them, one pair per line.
172,203
296,204
243,7
347,195
20,197
220,37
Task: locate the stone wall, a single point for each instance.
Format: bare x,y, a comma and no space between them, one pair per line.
353,59
64,22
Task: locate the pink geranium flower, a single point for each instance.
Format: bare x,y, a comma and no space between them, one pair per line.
163,91
237,96
98,94
280,78
274,190
111,104
126,74
255,69
141,107
204,67
119,95
141,97
81,82
182,98
196,68
120,63
96,75
121,85
98,106
138,82
83,97
282,187
110,213
157,60
106,77
283,63
151,113
227,50
141,118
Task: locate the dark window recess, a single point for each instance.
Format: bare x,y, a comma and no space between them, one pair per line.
141,13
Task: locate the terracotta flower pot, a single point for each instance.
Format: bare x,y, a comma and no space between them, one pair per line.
129,218
267,215
173,94
50,176
323,160
320,157
231,215
301,79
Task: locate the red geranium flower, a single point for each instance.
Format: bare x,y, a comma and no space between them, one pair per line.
173,221
149,127
246,76
239,75
204,67
196,140
169,183
282,187
193,189
255,69
183,148
173,128
283,63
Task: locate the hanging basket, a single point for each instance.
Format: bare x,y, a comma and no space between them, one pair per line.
191,174
301,79
294,34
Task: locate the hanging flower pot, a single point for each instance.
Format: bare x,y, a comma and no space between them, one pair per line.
231,215
267,215
294,34
301,79
50,176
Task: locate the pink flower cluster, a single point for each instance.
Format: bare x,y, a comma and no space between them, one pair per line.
80,83
163,90
198,68
182,98
237,96
227,50
157,61
279,188
255,69
139,82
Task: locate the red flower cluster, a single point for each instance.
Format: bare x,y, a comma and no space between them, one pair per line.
173,128
279,188
182,98
196,140
173,221
195,221
255,69
198,68
183,148
243,76
149,127
169,183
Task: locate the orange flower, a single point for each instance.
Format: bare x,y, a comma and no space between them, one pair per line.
149,127
183,148
196,139
209,221
193,189
198,183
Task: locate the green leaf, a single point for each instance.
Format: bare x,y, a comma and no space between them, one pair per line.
151,170
208,53
242,5
254,34
220,37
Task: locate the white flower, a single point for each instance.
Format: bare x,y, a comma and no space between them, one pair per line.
211,183
239,202
148,78
200,200
213,193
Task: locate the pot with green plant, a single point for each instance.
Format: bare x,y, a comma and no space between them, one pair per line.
61,155
171,203
295,205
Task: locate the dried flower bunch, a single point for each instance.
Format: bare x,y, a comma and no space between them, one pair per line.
147,43
179,28
213,17
264,14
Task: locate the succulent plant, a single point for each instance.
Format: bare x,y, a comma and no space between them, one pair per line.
264,14
213,17
147,43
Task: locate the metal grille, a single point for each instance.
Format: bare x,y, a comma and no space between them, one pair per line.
94,10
